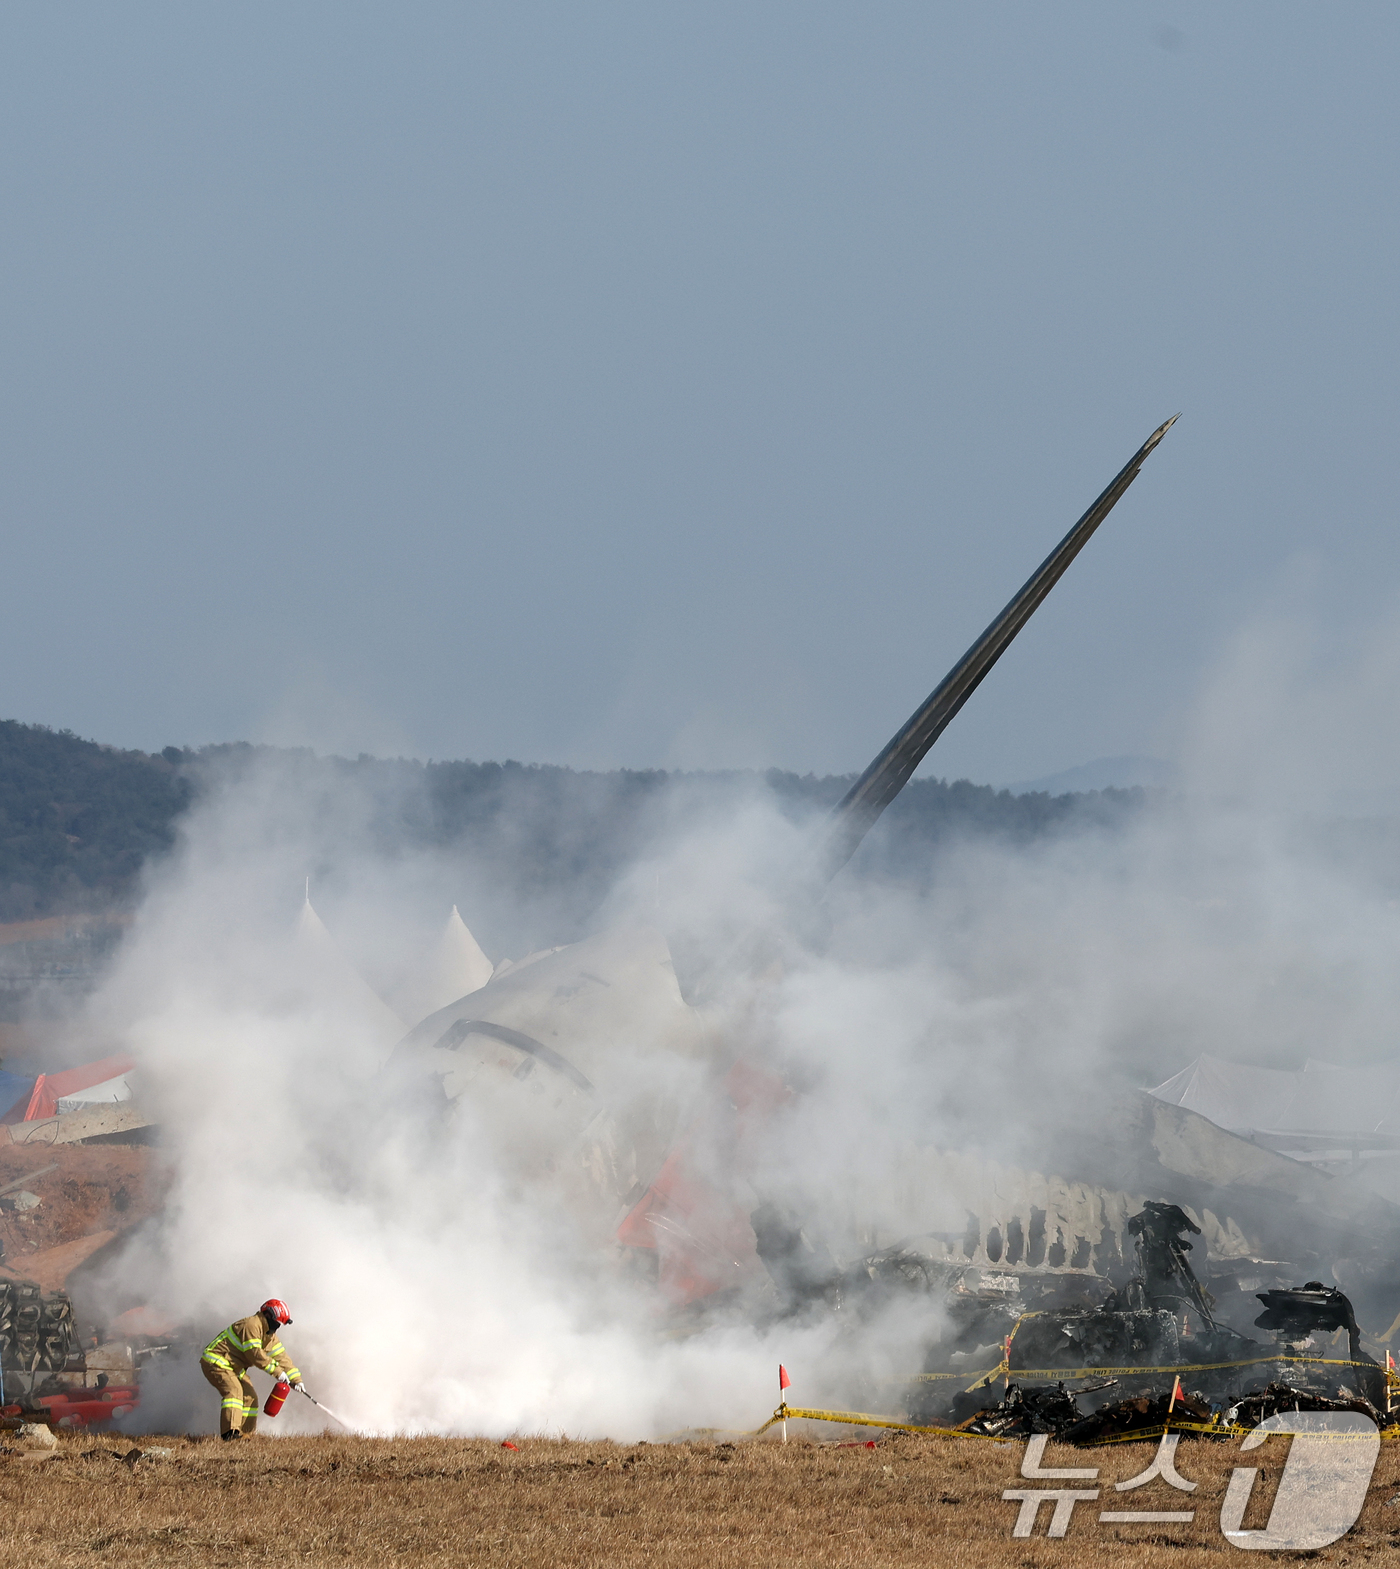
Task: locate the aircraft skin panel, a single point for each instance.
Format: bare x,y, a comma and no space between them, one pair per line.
588,1048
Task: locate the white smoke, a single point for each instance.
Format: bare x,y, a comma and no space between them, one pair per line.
429,1292
432,1291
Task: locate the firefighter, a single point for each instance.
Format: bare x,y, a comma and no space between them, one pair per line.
250,1342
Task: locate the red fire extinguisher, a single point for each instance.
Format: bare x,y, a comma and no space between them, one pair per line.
280,1390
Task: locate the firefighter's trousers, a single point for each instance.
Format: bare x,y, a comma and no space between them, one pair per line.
240,1407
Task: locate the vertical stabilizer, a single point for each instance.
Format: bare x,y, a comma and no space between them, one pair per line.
859,811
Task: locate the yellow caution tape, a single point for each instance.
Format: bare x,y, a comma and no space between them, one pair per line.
1225,1430
864,1419
984,1379
1062,1374
1211,1429
1135,1435
933,1378
1003,1368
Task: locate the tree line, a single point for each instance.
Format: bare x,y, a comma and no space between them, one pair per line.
79,820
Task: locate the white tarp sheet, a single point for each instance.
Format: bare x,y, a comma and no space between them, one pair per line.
96,1094
1317,1098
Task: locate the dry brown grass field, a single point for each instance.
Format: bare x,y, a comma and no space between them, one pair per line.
354,1501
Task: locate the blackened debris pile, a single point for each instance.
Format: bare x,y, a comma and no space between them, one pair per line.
1169,1356
1026,1410
1137,1412
1254,1408
1295,1315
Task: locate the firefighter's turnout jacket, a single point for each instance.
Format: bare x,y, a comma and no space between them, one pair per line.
250,1343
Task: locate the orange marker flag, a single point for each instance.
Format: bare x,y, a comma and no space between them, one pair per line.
784,1382
1176,1393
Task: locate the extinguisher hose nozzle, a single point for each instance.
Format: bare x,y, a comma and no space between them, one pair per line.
315,1402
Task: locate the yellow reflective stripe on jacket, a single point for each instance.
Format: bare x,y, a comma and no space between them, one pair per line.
229,1339
246,1343
247,1347
281,1362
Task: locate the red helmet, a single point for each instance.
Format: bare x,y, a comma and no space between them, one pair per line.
276,1311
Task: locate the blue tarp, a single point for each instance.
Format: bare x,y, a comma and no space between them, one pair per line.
14,1087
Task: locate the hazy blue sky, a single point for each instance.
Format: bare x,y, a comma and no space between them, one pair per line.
682,385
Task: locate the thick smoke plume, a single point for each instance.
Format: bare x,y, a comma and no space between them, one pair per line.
435,1290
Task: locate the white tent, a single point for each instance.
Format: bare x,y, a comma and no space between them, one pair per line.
456,968
464,967
337,987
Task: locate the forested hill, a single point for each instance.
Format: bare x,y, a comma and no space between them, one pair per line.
79,819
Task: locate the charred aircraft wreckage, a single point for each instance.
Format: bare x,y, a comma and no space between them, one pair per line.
1064,1294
